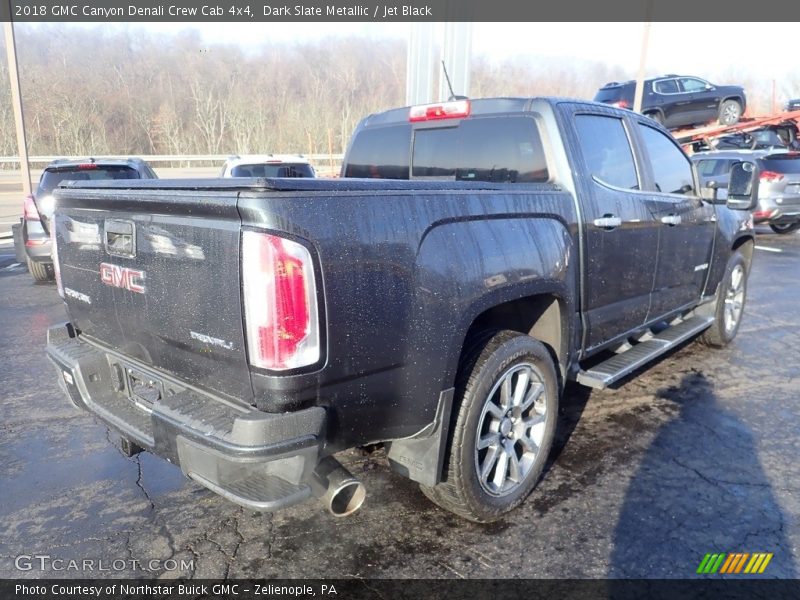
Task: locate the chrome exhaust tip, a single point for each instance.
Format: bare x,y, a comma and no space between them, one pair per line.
339,490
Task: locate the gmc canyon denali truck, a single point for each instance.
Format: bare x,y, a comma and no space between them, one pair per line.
473,257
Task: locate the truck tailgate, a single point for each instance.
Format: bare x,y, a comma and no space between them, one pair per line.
155,276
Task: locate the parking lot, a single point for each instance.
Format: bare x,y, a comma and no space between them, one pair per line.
696,454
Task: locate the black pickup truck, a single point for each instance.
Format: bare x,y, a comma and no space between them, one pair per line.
473,257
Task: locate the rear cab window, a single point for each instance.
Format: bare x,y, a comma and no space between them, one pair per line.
499,149
380,153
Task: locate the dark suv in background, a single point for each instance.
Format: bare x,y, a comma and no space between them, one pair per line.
678,100
34,237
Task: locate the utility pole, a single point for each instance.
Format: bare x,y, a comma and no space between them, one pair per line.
637,98
16,101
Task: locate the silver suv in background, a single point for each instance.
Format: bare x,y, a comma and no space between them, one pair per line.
779,183
267,165
32,239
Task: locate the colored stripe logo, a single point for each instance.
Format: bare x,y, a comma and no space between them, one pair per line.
734,563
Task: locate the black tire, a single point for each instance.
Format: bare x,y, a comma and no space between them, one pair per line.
656,116
506,355
41,272
784,228
721,332
730,111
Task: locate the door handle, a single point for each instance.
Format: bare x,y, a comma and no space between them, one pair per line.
607,222
671,220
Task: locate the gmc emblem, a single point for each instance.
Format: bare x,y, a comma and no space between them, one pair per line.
122,277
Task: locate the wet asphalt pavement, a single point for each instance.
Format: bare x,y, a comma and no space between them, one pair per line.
698,453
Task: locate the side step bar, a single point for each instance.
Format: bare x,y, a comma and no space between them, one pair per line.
615,368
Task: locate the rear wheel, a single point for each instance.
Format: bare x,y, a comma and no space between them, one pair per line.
783,228
730,304
729,112
503,430
40,271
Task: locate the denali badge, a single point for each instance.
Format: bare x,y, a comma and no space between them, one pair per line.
77,295
122,277
207,339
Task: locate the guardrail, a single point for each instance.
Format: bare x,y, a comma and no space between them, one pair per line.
186,159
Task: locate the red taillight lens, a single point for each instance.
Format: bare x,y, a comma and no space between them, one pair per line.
280,302
29,209
446,110
770,176
621,104
56,264
86,166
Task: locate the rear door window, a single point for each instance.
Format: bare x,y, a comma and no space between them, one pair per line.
671,169
666,86
607,150
494,149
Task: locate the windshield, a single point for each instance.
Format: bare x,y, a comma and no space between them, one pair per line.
273,170
51,178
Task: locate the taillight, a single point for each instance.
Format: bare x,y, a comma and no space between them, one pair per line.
444,110
280,302
770,176
86,166
621,104
56,264
30,212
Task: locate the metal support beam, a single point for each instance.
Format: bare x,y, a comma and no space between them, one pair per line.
420,64
456,53
16,101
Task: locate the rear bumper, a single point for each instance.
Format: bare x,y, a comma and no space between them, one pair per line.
259,460
38,246
772,210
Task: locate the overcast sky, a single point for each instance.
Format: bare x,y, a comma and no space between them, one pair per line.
720,52
695,48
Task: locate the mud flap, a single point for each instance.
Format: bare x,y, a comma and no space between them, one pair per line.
421,457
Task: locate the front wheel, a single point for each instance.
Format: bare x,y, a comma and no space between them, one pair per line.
503,431
784,228
730,303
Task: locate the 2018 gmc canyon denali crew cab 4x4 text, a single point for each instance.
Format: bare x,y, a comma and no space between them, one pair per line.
473,257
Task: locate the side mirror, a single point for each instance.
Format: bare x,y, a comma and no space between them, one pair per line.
743,186
709,192
709,86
